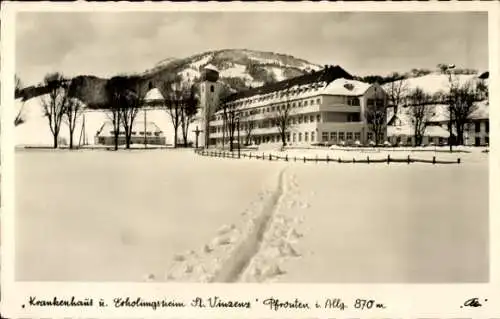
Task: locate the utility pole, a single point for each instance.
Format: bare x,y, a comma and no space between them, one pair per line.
145,130
450,107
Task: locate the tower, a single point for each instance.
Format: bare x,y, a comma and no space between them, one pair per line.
209,99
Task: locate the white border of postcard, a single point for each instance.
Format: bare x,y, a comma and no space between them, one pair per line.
403,300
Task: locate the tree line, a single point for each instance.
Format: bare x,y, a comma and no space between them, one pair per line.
125,98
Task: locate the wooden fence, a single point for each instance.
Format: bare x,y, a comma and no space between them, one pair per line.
327,159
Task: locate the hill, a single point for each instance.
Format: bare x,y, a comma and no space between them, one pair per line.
240,69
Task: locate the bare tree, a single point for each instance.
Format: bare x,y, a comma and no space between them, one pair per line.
117,91
376,117
248,128
189,110
72,111
396,91
132,102
54,103
281,118
231,114
463,100
19,116
172,93
419,110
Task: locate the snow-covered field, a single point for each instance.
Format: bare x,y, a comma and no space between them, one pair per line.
177,216
123,216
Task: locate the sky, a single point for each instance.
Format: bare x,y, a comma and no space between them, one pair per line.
106,43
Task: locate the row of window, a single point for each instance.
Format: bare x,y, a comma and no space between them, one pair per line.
291,93
122,133
341,136
274,108
268,123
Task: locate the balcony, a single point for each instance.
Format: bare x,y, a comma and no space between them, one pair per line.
340,107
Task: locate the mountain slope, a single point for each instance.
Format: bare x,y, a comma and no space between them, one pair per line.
239,69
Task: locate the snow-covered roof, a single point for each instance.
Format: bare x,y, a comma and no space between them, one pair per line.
153,95
107,128
346,87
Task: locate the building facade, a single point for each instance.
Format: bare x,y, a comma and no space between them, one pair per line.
324,107
148,133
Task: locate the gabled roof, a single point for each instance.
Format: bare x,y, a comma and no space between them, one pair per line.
327,75
138,126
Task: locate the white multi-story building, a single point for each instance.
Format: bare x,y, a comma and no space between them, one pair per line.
326,106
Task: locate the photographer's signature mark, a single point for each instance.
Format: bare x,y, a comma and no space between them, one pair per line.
473,303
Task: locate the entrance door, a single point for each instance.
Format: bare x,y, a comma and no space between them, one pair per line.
478,141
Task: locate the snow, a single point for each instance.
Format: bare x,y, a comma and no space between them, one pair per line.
202,61
435,82
130,216
189,74
346,87
238,70
154,95
278,73
35,131
355,223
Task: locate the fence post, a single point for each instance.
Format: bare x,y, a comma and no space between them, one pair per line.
316,158
353,160
434,160
270,157
263,157
339,160
388,158
304,159
286,157
458,160
327,159
368,159
250,156
295,158
408,158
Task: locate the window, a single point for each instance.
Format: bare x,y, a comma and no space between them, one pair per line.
300,119
478,127
306,118
357,136
306,136
305,103
300,104
324,136
341,136
141,133
318,101
288,137
300,137
349,136
333,136
294,120
311,118
134,133
312,102
487,139
312,136
318,118
487,128
211,88
293,104
157,133
294,137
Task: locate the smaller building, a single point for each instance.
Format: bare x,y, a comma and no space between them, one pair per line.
142,133
476,133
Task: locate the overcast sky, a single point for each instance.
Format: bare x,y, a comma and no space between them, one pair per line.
106,44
